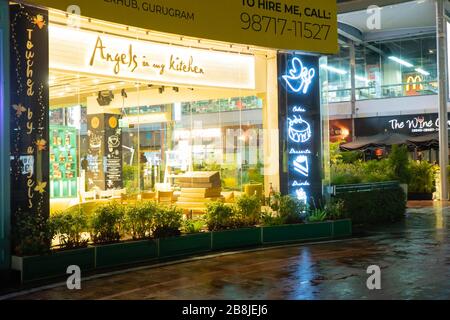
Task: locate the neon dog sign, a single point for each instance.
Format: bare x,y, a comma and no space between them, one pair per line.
299,78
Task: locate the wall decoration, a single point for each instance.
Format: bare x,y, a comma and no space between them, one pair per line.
29,111
300,124
63,162
104,152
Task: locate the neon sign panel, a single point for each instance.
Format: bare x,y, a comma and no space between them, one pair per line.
299,78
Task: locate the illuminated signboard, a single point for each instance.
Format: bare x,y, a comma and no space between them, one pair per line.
300,122
112,56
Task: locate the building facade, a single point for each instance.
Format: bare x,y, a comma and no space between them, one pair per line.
95,109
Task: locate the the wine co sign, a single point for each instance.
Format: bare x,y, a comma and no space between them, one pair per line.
300,122
406,124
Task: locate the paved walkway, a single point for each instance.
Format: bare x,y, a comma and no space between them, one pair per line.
414,257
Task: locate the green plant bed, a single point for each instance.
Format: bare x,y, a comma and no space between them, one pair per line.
184,245
297,232
238,238
53,265
126,253
342,228
374,207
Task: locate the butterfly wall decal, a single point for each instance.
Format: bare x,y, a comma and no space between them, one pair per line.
19,109
41,187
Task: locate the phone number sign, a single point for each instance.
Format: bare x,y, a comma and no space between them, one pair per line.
307,25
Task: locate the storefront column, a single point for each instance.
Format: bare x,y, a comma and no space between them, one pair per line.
271,132
353,85
5,211
443,97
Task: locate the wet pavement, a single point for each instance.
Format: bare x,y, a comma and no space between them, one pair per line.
414,257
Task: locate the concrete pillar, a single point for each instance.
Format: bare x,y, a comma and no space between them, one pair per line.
443,97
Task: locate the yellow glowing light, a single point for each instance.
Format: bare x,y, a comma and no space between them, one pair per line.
79,51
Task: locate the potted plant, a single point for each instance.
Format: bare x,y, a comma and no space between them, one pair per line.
32,236
166,226
137,221
421,184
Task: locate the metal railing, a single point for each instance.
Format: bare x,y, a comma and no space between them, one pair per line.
365,187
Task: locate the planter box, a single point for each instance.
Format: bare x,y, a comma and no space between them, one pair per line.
125,253
53,265
299,232
418,196
236,238
184,245
342,228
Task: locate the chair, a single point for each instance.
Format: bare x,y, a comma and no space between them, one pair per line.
128,199
148,196
165,197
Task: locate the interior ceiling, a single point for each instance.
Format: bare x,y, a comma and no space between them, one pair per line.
414,14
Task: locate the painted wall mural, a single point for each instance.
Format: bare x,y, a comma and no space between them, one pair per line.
29,111
300,124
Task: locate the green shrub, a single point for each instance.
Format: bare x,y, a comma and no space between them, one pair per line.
351,156
248,209
335,209
268,219
374,207
139,219
167,222
219,216
32,234
317,215
344,173
422,177
69,226
376,171
193,225
107,223
291,210
399,162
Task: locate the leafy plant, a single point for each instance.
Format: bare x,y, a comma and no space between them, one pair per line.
335,209
107,223
167,222
422,177
374,207
32,234
291,209
269,219
248,209
399,162
317,215
193,226
69,226
219,216
139,219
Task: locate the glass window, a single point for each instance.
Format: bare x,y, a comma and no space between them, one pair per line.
387,69
119,139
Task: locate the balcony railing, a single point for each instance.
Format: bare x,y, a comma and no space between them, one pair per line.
383,91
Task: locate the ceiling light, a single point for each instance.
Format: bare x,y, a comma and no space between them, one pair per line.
400,61
421,71
95,81
112,87
333,69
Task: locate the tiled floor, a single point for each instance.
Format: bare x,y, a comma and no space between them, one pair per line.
414,257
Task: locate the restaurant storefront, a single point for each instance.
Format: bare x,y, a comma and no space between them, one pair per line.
101,111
